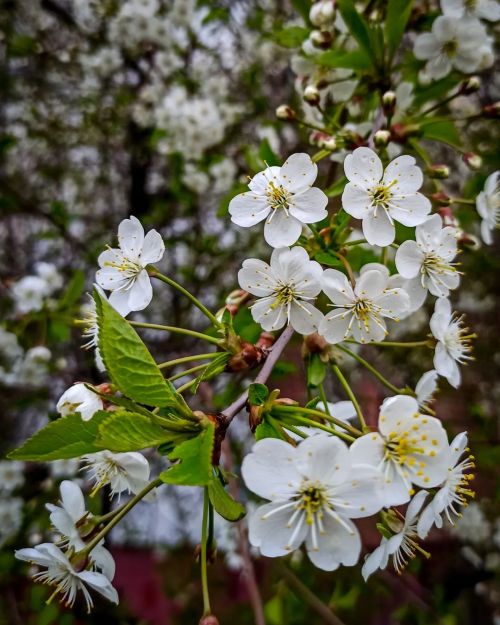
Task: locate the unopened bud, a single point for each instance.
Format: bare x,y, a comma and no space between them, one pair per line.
248,357
469,240
441,198
352,139
311,95
210,619
438,171
469,85
447,216
321,38
381,138
286,401
313,344
401,132
326,141
492,110
285,112
104,388
472,160
389,102
266,340
322,13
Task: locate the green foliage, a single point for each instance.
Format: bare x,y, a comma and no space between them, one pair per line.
223,503
74,290
66,437
245,326
444,131
398,14
369,39
268,429
291,37
195,460
356,60
316,370
129,363
257,394
214,368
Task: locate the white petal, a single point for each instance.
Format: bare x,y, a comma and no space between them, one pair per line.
304,317
364,167
410,210
72,499
361,495
141,292
409,259
370,284
337,545
298,172
281,229
324,459
153,248
404,176
309,206
396,413
378,230
426,46
270,531
356,201
334,326
260,182
248,209
269,314
376,560
101,584
395,303
120,302
256,277
131,237
337,287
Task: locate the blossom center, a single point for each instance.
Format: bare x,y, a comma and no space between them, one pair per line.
285,293
278,196
450,47
381,195
312,500
458,341
399,448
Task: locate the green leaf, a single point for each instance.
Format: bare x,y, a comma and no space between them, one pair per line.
257,394
126,431
195,460
398,14
337,188
316,371
356,24
216,366
326,258
302,7
291,37
224,504
267,155
245,326
357,59
74,290
444,131
129,363
267,430
66,437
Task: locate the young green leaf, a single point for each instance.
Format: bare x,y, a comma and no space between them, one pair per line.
291,37
267,430
398,14
357,59
316,370
129,363
257,394
444,131
356,24
216,366
224,504
66,437
195,460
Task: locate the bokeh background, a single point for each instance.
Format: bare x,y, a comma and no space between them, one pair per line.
161,110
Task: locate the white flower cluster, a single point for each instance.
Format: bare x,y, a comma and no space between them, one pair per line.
31,292
11,506
19,367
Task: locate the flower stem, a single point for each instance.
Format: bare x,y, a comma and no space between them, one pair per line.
375,372
181,374
391,343
155,274
280,408
320,426
180,361
184,387
462,200
322,396
347,266
350,394
320,155
119,514
440,104
175,330
203,555
356,242
317,235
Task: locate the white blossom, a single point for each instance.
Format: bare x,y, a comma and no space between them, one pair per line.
488,206
379,198
453,341
409,449
79,398
360,311
29,294
52,277
11,475
124,472
482,9
401,546
455,492
285,289
11,517
429,260
314,491
452,44
61,574
426,387
284,197
123,270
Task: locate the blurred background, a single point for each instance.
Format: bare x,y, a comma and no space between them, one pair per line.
161,110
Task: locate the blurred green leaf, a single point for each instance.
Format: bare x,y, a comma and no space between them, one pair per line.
74,290
316,370
397,16
291,37
223,503
444,131
357,59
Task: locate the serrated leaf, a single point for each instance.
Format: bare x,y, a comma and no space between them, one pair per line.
257,394
216,366
224,504
66,437
444,131
291,37
129,363
126,431
356,60
397,16
195,460
316,370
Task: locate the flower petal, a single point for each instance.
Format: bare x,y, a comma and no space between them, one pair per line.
378,229
298,172
131,237
281,229
364,167
309,206
153,248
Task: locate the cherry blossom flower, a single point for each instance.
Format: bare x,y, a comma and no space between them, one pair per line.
452,44
79,398
123,270
127,472
482,9
11,475
284,197
409,448
426,387
454,492
428,260
401,546
285,289
381,197
69,520
61,574
488,206
360,311
314,491
453,341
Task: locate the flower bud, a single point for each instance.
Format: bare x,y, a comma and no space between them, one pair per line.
441,198
248,357
327,142
321,38
311,95
266,340
286,112
447,216
492,110
389,102
472,160
210,619
381,138
469,85
469,241
322,12
401,132
438,171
